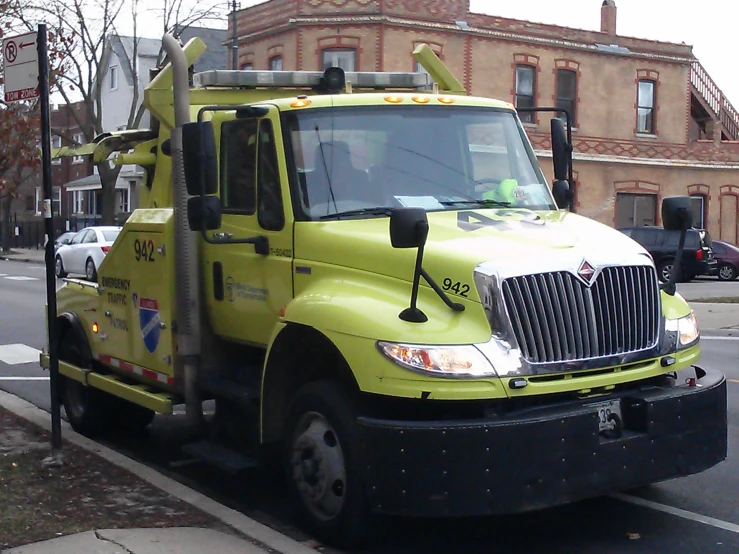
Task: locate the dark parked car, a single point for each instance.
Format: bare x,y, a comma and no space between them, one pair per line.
698,257
728,260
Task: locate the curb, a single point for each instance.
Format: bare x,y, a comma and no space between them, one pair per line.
236,520
719,333
23,260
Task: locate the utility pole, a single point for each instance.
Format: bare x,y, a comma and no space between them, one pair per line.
234,37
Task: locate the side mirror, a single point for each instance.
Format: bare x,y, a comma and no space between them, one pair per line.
561,150
409,228
676,213
204,211
199,154
562,194
676,216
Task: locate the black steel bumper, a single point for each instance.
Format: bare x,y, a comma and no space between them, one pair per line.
480,467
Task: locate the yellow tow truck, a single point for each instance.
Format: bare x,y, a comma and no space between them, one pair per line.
370,275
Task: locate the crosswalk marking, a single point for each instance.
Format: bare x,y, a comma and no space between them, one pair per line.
5,379
13,354
21,278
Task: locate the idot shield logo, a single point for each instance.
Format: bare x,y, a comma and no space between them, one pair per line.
149,320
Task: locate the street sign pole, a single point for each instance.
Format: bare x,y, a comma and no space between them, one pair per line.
43,80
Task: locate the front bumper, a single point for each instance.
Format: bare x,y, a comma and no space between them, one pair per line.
480,467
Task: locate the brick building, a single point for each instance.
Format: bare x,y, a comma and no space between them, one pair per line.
649,121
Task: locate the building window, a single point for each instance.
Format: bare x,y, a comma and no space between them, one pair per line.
345,59
525,90
78,201
635,210
123,197
29,202
56,142
56,200
113,77
275,63
247,66
698,207
567,92
645,113
79,139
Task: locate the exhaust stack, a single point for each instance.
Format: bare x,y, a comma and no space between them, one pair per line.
187,296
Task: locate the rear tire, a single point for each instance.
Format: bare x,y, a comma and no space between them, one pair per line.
88,409
727,272
323,466
664,269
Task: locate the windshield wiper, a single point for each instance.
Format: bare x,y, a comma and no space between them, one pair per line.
378,210
482,202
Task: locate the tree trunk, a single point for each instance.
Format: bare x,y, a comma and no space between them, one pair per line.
108,178
7,228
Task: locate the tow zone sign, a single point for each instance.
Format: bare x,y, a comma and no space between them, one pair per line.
20,63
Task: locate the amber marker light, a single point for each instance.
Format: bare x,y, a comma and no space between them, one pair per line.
300,103
446,99
95,328
393,99
421,99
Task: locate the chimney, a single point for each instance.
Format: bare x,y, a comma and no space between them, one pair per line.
608,17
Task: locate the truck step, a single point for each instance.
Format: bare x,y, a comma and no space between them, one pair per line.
220,456
243,395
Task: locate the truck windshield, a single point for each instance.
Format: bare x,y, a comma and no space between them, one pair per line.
438,158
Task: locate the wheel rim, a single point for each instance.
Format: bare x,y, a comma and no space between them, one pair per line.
666,271
58,266
318,467
726,272
90,270
75,399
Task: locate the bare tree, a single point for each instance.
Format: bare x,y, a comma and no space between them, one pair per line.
93,24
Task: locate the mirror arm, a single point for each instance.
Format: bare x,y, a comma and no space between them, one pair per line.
412,314
669,287
457,307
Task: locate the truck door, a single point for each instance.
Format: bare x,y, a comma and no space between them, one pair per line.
246,290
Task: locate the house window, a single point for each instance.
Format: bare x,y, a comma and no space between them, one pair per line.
275,63
56,142
635,210
78,201
567,92
645,114
29,202
123,203
56,200
79,139
344,58
247,66
113,77
525,90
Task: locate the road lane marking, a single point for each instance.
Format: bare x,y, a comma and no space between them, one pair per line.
13,354
685,514
21,278
24,378
719,338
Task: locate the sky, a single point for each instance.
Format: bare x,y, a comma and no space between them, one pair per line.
708,29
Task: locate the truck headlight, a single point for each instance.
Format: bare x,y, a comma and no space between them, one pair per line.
686,329
441,361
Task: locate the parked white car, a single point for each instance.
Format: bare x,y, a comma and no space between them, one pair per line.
85,252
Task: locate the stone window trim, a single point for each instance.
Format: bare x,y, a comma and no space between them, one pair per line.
574,66
246,58
727,190
339,42
647,75
639,187
530,60
275,50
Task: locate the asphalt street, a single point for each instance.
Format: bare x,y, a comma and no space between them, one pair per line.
697,513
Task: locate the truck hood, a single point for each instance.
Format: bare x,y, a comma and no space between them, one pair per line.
509,242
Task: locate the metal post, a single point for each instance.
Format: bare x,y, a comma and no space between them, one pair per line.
234,38
43,77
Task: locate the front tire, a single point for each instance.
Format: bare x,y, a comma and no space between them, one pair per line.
88,409
59,267
91,272
727,272
323,466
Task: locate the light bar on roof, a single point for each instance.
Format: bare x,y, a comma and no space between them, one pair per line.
309,79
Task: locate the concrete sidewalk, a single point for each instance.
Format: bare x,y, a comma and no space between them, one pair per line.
24,255
179,540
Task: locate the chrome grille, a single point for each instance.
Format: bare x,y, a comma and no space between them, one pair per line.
556,317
